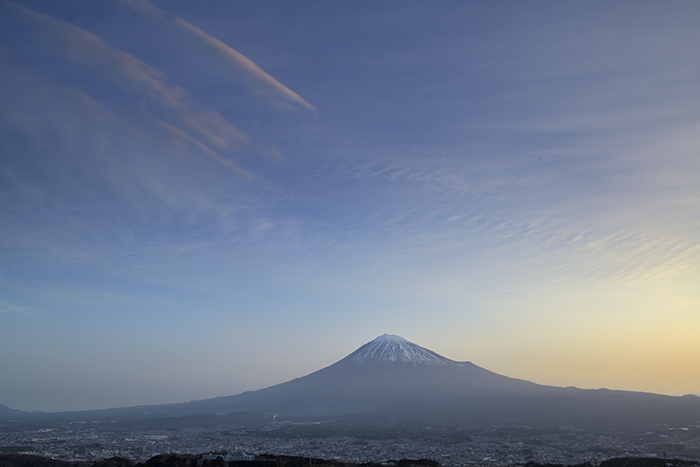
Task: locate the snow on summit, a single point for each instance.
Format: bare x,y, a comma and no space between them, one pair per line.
391,348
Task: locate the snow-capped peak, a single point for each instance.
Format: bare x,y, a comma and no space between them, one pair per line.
393,348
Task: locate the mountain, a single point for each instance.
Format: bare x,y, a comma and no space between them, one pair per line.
392,378
387,376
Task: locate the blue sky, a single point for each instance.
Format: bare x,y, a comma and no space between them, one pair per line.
198,199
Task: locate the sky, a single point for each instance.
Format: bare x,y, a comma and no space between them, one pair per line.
203,198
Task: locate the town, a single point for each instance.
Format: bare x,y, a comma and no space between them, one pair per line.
79,441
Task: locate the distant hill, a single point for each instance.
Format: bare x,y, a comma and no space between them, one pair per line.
6,410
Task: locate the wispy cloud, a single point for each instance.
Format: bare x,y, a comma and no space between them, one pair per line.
190,125
262,82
